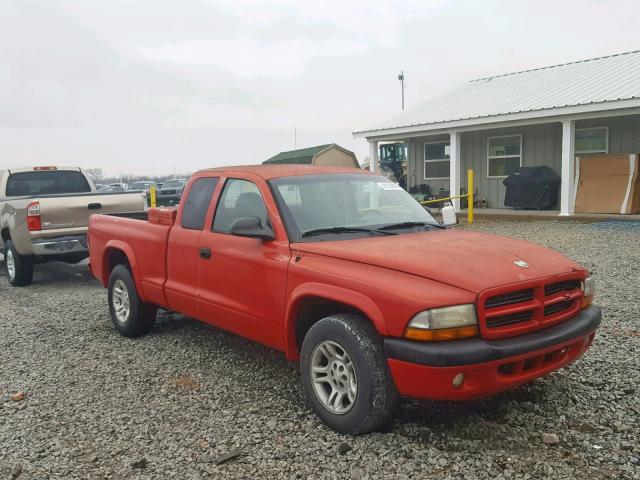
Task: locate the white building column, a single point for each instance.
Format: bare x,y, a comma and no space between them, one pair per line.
373,155
568,162
454,167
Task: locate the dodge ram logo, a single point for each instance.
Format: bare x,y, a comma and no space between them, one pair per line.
521,263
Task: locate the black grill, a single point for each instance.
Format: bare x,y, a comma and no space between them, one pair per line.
557,307
509,298
558,287
511,318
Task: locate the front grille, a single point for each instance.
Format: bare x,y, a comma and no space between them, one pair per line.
558,287
509,319
532,306
509,298
167,192
557,307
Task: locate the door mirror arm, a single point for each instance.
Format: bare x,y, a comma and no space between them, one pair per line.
251,227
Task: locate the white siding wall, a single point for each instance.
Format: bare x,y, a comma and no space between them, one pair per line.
541,145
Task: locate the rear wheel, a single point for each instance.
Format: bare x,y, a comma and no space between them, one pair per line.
19,268
345,375
131,316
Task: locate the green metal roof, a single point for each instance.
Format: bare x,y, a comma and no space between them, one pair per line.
300,156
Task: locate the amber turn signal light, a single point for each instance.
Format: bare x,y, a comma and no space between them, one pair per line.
586,301
425,335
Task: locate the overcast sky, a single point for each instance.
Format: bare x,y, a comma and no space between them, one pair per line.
156,86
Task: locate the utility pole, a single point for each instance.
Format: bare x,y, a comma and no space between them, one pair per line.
401,78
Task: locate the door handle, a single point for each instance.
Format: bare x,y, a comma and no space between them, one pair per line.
94,206
205,253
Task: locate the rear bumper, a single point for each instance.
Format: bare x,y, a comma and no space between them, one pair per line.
425,370
60,245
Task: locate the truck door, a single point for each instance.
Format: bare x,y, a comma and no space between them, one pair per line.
182,249
242,280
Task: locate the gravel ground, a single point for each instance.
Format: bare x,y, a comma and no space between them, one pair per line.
170,404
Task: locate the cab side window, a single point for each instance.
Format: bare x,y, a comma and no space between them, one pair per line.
239,199
197,203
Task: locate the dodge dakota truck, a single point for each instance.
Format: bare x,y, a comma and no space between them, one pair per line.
345,272
44,213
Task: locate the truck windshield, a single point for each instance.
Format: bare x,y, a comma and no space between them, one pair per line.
172,183
346,204
48,182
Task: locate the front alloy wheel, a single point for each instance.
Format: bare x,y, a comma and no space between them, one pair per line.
334,377
345,376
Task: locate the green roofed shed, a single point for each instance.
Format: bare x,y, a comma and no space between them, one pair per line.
328,154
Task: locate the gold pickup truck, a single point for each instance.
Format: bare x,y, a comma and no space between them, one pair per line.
44,213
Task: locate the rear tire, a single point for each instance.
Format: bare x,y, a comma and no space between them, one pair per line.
345,375
131,316
19,268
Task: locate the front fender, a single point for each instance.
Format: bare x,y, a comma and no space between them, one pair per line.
329,292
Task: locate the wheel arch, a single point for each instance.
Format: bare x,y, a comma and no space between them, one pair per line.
311,302
119,253
5,234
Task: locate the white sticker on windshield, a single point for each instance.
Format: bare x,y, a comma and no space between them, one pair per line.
389,186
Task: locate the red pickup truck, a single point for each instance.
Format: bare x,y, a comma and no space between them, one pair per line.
344,271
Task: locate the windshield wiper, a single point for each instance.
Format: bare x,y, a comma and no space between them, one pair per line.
322,231
400,225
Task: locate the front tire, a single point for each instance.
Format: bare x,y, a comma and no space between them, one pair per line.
19,268
131,316
345,375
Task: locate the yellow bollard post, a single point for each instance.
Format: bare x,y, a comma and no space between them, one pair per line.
470,189
152,195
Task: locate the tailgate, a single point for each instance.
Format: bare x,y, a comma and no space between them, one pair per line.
73,211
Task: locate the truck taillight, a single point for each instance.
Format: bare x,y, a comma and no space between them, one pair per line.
34,222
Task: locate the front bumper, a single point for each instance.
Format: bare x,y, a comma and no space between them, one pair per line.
427,370
68,244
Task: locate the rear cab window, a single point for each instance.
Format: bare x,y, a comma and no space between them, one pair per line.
50,182
198,200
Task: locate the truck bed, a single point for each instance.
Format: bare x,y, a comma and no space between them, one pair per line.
145,236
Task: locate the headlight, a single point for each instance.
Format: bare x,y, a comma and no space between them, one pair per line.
589,290
447,323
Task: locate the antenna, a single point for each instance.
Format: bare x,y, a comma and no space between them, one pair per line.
401,78
295,138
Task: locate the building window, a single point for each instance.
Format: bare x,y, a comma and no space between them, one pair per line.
436,160
504,155
592,140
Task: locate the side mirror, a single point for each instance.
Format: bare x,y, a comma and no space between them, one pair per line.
251,227
448,215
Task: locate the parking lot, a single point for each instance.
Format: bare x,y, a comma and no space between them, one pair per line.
174,403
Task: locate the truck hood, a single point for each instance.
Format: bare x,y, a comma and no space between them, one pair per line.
470,260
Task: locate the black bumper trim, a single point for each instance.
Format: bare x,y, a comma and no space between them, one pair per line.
477,350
